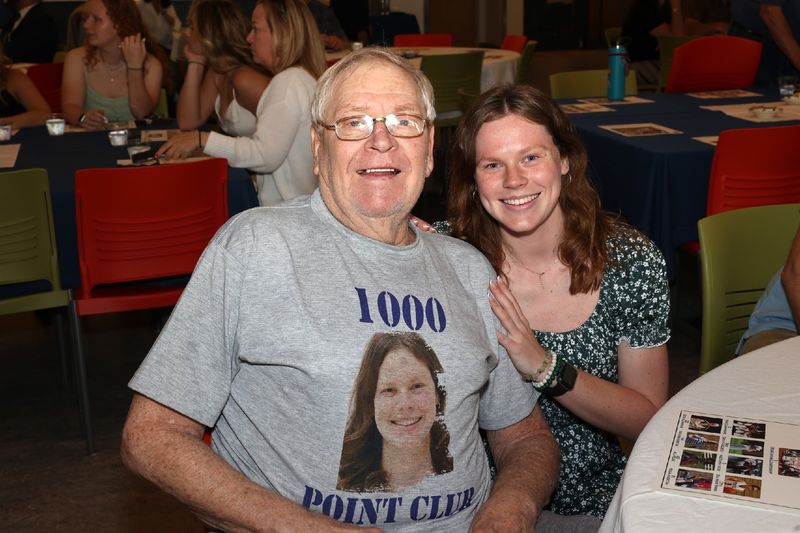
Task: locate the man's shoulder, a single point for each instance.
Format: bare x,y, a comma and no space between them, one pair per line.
265,223
462,254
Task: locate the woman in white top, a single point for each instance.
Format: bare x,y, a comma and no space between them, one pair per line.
116,76
283,39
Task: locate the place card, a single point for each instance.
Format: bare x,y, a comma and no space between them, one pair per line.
606,101
585,108
644,129
149,136
728,93
8,155
708,139
734,459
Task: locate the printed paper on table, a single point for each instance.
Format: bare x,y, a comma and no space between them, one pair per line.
735,459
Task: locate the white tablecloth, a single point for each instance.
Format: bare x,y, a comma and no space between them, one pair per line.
499,66
765,385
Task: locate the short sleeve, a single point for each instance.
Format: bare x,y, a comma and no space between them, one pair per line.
189,367
643,294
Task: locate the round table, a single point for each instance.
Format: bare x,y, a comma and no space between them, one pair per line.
499,66
761,385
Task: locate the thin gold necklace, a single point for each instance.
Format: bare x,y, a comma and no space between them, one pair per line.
519,263
113,73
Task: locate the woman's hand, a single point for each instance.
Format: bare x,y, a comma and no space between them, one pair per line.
194,48
134,51
422,225
519,341
94,119
181,146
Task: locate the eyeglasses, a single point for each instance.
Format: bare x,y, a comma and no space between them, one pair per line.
360,127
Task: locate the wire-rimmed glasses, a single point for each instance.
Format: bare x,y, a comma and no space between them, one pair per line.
359,127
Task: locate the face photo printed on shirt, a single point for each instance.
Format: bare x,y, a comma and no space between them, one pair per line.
395,435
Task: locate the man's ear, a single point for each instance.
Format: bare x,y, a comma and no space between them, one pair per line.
316,141
429,162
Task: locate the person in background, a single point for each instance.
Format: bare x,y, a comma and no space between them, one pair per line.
354,18
30,34
285,41
116,76
161,21
275,380
776,316
583,298
646,20
330,30
21,103
221,76
776,23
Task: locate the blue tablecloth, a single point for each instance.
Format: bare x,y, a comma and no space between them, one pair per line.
62,156
659,183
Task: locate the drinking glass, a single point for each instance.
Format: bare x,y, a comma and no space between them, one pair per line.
55,124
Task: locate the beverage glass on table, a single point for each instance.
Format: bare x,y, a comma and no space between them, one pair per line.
55,124
787,85
5,132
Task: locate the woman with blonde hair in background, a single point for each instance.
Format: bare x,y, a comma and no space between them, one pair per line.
116,76
283,39
21,103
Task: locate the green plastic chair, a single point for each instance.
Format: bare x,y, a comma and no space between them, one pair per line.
452,76
28,257
161,109
524,69
587,84
666,49
740,251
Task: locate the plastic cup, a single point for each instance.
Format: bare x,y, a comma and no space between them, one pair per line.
55,124
5,132
118,137
787,85
356,45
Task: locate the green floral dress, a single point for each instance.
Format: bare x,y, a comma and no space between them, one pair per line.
633,307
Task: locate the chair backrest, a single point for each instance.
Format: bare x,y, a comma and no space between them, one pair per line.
450,74
612,35
423,39
740,251
587,84
27,238
666,50
713,63
47,78
525,67
755,166
514,42
140,223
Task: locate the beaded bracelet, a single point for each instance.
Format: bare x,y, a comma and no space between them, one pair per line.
544,384
548,357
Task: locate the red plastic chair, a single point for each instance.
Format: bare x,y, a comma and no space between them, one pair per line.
47,78
714,63
753,167
135,225
514,42
423,39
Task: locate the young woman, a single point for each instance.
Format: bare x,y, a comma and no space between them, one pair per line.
21,103
583,299
395,435
116,76
285,41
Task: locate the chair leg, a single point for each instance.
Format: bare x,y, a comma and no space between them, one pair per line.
62,349
81,384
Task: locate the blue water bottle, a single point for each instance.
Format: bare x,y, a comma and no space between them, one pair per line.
617,66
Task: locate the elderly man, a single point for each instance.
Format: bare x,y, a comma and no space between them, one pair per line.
267,347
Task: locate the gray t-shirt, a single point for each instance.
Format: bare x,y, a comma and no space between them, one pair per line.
268,338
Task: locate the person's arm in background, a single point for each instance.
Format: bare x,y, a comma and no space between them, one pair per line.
167,448
73,93
790,278
778,26
527,459
145,74
199,91
37,110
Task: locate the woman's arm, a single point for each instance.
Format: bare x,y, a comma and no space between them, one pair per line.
199,89
25,92
624,408
249,85
144,76
73,91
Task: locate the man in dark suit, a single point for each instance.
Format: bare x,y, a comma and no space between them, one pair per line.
30,35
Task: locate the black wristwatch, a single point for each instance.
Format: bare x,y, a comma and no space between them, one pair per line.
564,382
82,119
